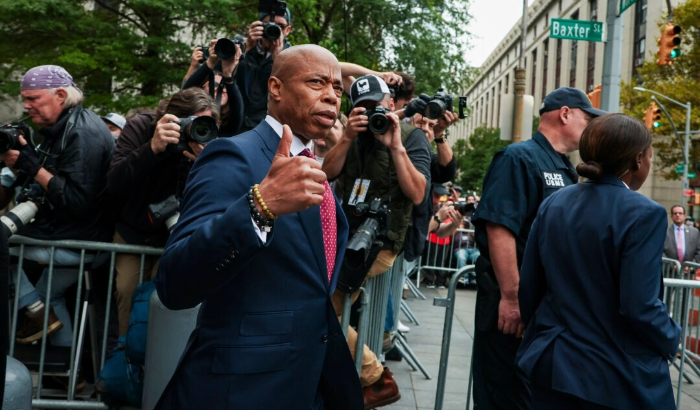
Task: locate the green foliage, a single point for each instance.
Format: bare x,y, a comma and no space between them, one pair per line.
128,53
679,81
473,158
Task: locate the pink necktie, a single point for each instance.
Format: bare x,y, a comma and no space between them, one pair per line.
679,244
328,222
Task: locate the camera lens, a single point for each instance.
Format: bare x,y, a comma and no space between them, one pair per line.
203,129
435,109
8,139
378,123
224,49
272,31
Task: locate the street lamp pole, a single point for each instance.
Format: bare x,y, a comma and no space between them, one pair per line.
686,144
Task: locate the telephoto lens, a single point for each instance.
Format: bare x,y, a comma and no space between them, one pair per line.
271,31
18,216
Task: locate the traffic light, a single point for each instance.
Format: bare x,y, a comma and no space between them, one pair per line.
652,116
669,45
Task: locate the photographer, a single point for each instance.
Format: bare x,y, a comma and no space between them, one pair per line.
63,178
261,51
149,166
392,166
216,77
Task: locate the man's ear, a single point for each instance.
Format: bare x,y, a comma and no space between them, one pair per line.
61,94
274,85
564,114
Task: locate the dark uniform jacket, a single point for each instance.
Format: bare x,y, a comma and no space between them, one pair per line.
78,160
137,178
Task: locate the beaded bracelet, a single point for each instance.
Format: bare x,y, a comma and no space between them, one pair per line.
262,223
268,213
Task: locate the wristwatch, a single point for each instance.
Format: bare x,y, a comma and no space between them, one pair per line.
440,140
435,217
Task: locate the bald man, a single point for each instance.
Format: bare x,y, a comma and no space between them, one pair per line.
259,245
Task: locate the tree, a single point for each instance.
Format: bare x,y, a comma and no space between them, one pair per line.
127,53
474,157
679,81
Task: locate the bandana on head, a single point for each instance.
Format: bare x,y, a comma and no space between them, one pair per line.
47,76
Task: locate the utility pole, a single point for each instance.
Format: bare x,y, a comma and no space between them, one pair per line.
610,98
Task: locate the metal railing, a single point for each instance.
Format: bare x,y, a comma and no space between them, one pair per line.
92,255
682,298
440,258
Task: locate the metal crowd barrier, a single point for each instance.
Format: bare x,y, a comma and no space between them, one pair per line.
682,298
84,319
439,257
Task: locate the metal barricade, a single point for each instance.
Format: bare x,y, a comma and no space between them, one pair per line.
682,298
440,257
449,304
91,255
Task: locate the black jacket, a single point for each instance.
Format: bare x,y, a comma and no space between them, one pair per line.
137,178
251,75
78,161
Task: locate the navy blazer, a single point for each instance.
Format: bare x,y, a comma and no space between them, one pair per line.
267,336
590,289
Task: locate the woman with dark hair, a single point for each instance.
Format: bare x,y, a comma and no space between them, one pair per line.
597,334
148,167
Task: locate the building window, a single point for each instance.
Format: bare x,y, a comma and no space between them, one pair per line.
545,64
507,83
498,103
590,66
533,77
557,73
574,52
640,29
486,109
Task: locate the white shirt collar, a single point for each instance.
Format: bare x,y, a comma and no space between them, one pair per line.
297,145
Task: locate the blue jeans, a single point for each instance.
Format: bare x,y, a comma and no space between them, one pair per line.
62,279
466,256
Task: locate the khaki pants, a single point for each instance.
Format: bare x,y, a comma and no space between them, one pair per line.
371,369
128,267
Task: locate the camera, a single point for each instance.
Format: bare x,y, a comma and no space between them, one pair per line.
28,202
437,105
224,48
201,130
9,135
465,208
165,213
364,245
378,121
272,8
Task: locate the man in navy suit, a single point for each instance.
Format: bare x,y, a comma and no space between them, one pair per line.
263,260
689,248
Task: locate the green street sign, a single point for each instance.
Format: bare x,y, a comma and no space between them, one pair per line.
625,4
692,175
679,168
576,30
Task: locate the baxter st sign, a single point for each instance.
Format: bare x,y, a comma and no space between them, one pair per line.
576,30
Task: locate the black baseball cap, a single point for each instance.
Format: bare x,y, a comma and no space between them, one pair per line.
368,87
569,97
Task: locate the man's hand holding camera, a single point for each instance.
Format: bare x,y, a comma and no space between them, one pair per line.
292,184
168,132
24,158
449,118
255,34
228,65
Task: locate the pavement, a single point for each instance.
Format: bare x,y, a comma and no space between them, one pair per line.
418,393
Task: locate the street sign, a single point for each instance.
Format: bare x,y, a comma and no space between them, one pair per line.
576,30
692,175
625,4
688,192
679,168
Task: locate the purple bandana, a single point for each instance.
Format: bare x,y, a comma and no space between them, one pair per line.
47,76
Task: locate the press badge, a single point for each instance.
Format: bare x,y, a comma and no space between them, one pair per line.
359,191
553,179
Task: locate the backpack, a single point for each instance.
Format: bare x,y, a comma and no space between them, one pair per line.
121,378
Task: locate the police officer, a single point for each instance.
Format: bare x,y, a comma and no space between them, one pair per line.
519,178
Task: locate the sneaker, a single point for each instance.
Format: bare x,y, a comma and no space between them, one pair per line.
33,329
430,284
388,342
403,328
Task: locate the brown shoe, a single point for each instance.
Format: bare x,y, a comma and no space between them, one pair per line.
383,392
33,329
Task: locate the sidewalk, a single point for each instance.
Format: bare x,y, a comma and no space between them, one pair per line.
418,393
